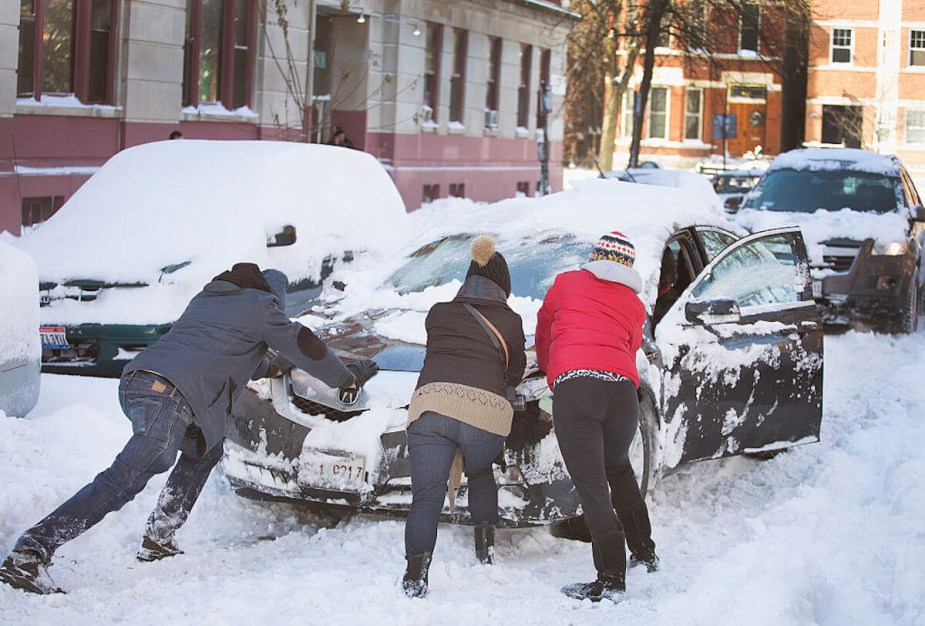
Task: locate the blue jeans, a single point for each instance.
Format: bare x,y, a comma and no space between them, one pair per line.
161,419
432,443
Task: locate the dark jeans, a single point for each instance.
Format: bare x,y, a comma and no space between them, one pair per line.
595,423
432,443
160,422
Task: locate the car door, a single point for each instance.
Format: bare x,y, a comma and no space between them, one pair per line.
742,351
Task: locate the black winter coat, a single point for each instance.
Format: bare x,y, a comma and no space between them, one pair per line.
460,351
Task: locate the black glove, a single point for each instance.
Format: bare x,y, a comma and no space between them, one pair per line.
279,366
363,370
349,394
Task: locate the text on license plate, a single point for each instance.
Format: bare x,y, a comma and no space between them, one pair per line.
331,471
53,337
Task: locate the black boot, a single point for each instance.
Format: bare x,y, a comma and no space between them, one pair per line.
414,582
485,543
26,571
609,552
151,550
638,530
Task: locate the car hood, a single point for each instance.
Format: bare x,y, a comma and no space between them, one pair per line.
823,226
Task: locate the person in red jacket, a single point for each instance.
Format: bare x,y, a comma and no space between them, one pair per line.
587,334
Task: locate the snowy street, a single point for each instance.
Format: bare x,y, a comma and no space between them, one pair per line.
828,533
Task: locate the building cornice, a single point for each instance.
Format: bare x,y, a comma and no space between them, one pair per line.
548,7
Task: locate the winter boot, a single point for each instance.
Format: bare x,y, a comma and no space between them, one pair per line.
25,570
638,530
609,552
151,550
485,543
414,582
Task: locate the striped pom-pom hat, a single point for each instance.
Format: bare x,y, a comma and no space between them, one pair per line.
614,246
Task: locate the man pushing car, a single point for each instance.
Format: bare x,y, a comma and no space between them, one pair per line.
178,394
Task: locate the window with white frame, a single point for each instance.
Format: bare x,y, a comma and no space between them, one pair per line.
658,113
628,98
842,43
915,126
693,115
917,47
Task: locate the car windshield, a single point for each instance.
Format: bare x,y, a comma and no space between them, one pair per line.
533,263
806,191
734,183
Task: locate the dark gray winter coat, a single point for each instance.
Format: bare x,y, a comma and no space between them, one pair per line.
219,343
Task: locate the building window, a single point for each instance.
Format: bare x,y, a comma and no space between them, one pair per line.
458,78
842,43
432,70
697,30
74,52
523,187
218,52
523,90
492,82
545,71
915,126
431,193
658,113
663,39
457,190
750,27
629,97
37,210
917,47
693,114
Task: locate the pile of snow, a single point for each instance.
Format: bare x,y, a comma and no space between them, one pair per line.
699,192
20,345
836,159
212,204
828,533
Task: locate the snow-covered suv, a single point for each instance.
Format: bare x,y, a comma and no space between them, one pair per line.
863,223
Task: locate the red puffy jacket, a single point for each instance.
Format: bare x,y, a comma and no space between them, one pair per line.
591,322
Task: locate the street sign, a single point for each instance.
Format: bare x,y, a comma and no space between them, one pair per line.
724,126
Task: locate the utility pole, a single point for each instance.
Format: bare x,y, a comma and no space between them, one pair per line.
544,106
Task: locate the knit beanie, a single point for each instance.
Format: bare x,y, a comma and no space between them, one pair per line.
488,263
614,246
278,283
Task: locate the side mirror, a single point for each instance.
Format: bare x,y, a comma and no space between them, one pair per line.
711,311
918,213
733,203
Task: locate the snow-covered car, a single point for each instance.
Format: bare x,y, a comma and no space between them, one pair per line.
864,226
732,185
20,350
699,193
733,365
121,259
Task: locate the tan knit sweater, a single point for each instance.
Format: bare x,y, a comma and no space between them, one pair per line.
471,405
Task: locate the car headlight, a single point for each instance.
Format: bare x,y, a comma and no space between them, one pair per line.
892,248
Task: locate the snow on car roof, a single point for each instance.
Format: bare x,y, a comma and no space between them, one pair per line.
216,203
697,186
834,159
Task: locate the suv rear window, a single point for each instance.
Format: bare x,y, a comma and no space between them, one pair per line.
808,191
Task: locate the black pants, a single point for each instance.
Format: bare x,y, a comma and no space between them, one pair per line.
595,422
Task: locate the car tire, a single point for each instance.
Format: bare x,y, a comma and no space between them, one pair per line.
909,321
641,454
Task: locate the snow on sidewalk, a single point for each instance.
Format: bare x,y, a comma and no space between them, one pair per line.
827,533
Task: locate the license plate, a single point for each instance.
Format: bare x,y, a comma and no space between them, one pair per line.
332,471
53,337
817,289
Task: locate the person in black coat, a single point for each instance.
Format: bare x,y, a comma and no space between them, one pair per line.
461,408
178,394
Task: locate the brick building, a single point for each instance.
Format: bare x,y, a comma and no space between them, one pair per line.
443,92
867,77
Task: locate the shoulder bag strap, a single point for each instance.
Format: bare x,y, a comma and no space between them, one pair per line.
496,339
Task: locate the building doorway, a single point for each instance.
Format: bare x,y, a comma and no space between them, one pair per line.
842,125
749,105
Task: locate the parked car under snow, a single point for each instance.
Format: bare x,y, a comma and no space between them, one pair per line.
733,366
20,351
864,226
121,259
